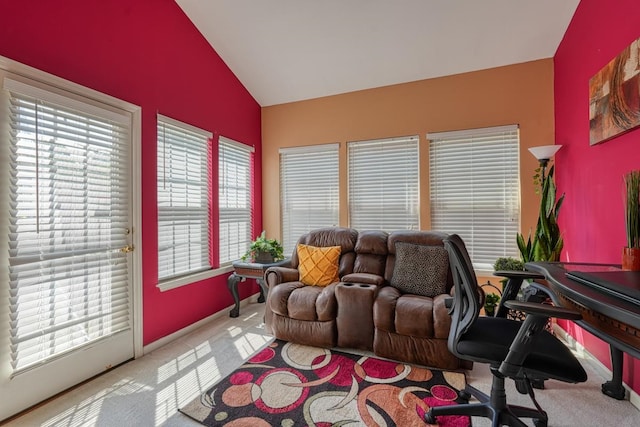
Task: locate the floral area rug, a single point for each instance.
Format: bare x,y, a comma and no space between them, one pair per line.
290,385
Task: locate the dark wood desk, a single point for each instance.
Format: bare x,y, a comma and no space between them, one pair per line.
612,319
248,270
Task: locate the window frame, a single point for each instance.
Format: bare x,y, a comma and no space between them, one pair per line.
249,151
392,157
495,141
331,188
187,278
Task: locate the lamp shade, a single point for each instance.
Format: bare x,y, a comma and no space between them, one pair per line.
544,152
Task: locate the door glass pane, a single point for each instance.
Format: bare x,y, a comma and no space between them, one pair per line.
68,224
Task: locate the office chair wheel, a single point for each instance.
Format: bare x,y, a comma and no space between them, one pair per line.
464,395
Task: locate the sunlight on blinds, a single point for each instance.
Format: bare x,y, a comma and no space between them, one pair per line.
309,191
183,199
236,216
475,190
69,282
384,184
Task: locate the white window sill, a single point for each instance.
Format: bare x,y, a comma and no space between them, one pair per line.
192,278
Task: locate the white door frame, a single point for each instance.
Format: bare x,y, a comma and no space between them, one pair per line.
135,275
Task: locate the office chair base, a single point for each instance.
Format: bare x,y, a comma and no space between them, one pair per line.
494,407
523,387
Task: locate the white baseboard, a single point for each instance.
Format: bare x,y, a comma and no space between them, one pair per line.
634,398
184,331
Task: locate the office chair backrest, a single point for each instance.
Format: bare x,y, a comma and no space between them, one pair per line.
516,350
466,299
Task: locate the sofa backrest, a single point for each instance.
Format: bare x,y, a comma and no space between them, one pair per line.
368,251
331,236
371,252
427,238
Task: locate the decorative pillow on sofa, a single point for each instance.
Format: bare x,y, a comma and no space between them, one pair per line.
420,270
318,266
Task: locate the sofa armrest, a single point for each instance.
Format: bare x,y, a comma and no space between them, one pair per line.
355,314
368,278
276,275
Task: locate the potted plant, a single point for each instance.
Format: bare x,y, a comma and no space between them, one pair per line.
508,264
490,303
263,250
631,253
547,242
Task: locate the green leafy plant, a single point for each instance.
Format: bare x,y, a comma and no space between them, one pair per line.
490,303
262,245
546,244
508,264
550,240
527,249
632,208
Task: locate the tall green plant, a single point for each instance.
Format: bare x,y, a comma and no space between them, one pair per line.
550,241
632,208
547,243
527,249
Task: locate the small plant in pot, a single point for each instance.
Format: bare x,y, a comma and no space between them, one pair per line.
263,250
490,303
631,253
508,264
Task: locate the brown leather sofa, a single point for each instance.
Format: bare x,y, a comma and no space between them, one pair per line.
363,310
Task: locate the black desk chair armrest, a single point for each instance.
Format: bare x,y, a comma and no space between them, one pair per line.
545,310
512,287
516,274
534,323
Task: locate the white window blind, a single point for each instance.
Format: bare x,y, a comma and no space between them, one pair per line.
475,190
309,190
383,184
183,199
68,217
235,182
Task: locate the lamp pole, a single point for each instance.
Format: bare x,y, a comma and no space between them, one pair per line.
544,153
543,175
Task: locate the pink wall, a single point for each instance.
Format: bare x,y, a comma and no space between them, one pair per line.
592,217
146,52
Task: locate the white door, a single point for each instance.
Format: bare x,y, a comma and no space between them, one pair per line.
65,276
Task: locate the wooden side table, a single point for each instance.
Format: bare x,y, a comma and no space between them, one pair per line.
249,270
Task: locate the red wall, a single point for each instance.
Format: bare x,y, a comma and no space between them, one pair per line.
146,52
592,217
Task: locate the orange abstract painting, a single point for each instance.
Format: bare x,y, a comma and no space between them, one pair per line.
614,96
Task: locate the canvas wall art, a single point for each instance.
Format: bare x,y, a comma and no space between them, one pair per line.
614,96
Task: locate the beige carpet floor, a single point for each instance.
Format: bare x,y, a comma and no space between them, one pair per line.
148,391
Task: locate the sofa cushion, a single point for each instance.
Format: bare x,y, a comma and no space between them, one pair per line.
318,265
371,279
420,269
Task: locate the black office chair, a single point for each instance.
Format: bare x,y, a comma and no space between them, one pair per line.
513,349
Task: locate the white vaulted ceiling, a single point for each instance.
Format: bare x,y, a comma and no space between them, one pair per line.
290,50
